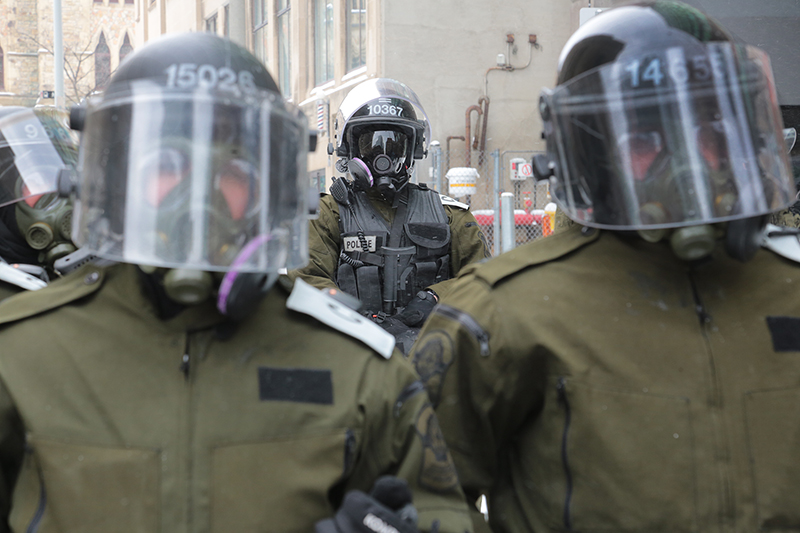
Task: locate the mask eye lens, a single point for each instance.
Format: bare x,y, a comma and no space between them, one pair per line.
235,181
162,172
642,143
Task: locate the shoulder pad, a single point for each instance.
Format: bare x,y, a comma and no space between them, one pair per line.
61,292
783,241
446,200
332,312
536,253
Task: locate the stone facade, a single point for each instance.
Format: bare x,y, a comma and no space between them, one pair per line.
27,41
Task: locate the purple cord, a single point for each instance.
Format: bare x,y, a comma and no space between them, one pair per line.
230,276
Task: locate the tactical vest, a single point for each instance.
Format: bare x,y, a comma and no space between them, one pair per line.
385,266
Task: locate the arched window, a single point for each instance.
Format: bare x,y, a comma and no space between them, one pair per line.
125,49
2,72
102,63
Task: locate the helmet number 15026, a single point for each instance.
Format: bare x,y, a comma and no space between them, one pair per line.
385,109
191,75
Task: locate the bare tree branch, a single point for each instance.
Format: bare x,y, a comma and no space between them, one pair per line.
78,66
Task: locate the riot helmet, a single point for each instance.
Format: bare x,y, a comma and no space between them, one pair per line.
660,119
36,145
381,128
191,159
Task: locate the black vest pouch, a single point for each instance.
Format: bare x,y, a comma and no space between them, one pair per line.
396,263
433,236
443,272
369,287
406,286
426,275
346,279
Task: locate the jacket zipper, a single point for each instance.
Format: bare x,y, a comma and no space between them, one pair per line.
468,322
726,499
562,399
349,450
186,369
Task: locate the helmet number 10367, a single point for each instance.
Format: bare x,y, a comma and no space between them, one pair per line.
385,109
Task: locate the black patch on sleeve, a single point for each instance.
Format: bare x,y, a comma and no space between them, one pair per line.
785,331
295,385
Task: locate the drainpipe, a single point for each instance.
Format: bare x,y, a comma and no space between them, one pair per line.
483,100
460,138
468,135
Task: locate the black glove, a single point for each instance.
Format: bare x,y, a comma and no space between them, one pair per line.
388,506
404,335
418,309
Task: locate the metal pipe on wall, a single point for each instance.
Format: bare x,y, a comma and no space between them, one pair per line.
468,135
447,145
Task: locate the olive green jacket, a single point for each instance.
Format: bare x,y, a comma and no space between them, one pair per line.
594,382
7,289
119,421
468,243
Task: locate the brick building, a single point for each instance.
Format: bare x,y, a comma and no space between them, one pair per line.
97,34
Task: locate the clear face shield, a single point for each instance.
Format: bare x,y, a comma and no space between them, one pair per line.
671,138
192,179
35,146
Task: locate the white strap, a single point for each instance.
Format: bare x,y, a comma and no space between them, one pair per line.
314,302
20,278
446,200
786,245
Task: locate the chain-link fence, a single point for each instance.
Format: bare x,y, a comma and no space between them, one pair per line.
497,173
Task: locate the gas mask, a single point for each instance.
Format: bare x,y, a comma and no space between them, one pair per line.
46,224
381,161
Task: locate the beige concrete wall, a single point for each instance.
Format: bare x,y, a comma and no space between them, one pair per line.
447,52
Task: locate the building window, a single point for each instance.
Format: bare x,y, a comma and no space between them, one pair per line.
226,29
102,63
356,34
129,2
260,38
2,72
284,48
125,49
323,41
98,1
211,24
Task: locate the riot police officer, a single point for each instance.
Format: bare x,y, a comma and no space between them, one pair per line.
638,371
393,244
184,388
35,224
